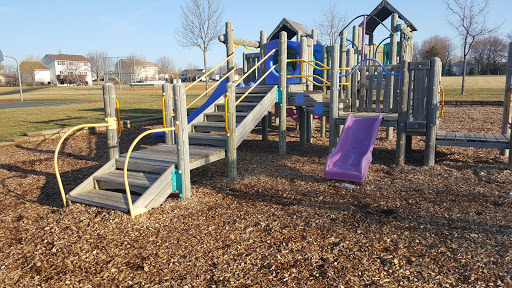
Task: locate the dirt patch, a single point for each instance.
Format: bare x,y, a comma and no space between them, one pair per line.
280,224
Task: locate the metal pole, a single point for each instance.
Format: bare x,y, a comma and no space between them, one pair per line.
19,75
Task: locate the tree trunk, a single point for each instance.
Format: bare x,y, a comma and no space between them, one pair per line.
463,75
204,61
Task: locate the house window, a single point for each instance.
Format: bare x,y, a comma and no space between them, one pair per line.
61,63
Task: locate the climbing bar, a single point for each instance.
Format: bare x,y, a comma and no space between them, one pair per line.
442,102
213,87
307,77
125,169
226,112
209,72
119,125
252,49
256,66
110,125
311,63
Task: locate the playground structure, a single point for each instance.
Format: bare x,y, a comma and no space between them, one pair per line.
315,80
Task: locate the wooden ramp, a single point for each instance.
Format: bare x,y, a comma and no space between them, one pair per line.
477,140
150,171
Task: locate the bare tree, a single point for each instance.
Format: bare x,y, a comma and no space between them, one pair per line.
331,24
487,52
509,37
437,46
200,25
468,19
99,62
29,69
165,65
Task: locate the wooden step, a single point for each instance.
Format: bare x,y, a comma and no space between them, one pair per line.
103,198
258,89
241,107
139,182
203,127
213,139
220,116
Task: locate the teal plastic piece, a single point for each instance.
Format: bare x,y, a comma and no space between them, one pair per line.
177,185
279,96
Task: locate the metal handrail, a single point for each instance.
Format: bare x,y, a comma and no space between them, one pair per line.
213,86
256,66
125,168
119,126
442,102
312,63
226,112
256,84
508,107
209,72
163,110
110,124
326,83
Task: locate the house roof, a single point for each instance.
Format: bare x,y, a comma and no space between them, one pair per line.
139,62
68,57
382,12
34,65
291,28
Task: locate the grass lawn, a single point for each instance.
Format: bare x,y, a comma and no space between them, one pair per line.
487,87
133,104
147,103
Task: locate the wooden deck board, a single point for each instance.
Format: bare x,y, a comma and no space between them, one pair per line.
102,198
476,140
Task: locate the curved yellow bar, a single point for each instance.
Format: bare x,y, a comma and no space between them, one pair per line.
125,168
56,155
311,63
163,110
119,126
442,102
226,112
252,49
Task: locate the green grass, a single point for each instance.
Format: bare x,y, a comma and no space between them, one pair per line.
490,87
133,104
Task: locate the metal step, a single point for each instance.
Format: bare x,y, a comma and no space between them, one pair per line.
102,198
139,182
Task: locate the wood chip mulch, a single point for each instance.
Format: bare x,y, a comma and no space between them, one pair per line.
281,224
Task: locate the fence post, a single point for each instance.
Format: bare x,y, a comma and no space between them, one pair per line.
265,121
334,103
169,110
109,103
432,110
182,138
231,149
283,52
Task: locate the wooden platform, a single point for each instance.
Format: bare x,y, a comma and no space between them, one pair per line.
389,120
158,159
477,140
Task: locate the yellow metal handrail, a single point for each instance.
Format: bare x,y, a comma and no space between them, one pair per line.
311,63
255,84
213,86
119,125
125,168
256,66
163,110
209,72
111,124
326,83
442,102
226,112
252,49
508,107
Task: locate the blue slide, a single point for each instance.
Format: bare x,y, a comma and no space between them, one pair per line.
217,93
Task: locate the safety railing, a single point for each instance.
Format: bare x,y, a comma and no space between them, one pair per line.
209,72
111,124
442,102
136,212
213,87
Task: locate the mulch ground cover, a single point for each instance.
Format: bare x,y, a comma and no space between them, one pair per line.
280,224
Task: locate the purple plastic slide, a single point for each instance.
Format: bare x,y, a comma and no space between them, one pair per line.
352,156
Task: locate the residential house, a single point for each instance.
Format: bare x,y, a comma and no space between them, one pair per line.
134,70
6,79
34,72
457,64
68,70
191,74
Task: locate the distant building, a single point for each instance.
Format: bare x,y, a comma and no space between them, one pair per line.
134,70
191,74
457,64
68,70
6,79
34,72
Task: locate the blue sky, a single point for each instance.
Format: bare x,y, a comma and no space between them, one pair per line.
36,28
